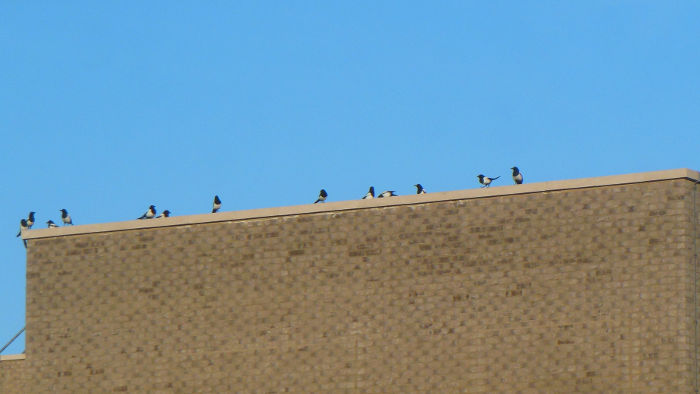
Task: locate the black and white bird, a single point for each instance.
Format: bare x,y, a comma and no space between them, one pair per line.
486,181
164,214
51,224
216,205
150,214
388,193
65,217
419,189
517,176
30,219
22,226
370,194
321,196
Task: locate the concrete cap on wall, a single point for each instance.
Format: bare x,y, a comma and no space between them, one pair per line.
13,357
338,206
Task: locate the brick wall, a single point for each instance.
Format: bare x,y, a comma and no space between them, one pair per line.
12,374
573,290
695,215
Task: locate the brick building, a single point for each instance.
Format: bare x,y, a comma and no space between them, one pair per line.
581,285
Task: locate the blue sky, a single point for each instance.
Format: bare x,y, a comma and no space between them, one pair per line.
108,108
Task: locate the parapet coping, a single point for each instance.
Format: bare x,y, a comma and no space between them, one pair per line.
13,357
339,206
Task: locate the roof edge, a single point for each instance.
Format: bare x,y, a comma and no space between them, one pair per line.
13,357
682,173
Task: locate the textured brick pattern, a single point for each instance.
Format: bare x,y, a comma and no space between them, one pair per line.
587,290
12,376
696,275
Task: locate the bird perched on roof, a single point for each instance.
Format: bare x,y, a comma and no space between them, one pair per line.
370,194
216,205
22,226
486,181
388,193
164,214
517,176
51,224
419,189
150,214
65,217
30,219
321,196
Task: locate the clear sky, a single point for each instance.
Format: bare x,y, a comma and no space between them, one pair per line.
108,107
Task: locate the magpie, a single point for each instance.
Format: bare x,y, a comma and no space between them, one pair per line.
517,176
486,181
51,224
388,193
370,193
22,226
65,217
419,189
150,214
216,205
30,219
321,196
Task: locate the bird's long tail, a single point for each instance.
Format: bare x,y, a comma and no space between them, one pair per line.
493,179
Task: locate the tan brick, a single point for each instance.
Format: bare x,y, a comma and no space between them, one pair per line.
589,289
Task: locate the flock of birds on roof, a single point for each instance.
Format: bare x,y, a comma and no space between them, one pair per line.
485,181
